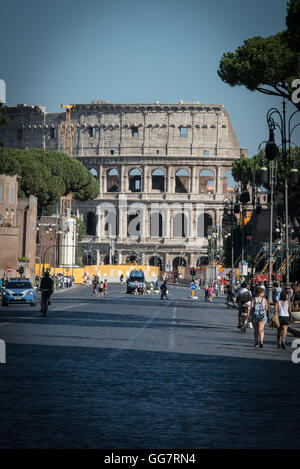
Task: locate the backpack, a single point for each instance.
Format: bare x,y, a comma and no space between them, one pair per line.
258,311
245,297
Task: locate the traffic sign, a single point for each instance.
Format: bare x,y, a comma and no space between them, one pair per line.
9,269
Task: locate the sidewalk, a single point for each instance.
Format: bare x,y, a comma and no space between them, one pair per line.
294,329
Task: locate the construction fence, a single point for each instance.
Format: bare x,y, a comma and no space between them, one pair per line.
111,272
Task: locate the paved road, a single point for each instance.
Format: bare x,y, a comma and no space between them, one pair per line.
137,372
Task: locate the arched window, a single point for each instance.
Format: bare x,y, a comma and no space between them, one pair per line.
228,182
113,180
89,257
156,225
182,181
202,260
155,261
106,260
203,222
94,172
158,180
91,224
206,181
111,227
179,262
135,180
134,224
180,226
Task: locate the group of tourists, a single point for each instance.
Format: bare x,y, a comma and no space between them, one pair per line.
59,280
100,287
253,301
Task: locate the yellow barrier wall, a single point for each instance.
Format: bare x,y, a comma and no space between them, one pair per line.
103,271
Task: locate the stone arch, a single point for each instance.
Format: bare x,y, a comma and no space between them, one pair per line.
202,260
94,172
156,261
135,180
156,225
180,225
89,258
206,181
158,180
106,260
112,180
204,221
228,182
111,218
182,181
91,224
134,224
179,261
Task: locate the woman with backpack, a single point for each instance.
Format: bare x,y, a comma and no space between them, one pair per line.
258,317
283,309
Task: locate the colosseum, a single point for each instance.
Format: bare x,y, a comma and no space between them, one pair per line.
164,171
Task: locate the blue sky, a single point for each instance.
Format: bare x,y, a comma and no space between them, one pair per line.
72,51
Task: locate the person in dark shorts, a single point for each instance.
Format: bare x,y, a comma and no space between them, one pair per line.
101,288
283,309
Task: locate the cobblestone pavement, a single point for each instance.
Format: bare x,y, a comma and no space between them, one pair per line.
137,372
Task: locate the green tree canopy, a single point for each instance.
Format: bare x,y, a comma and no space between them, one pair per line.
48,175
268,65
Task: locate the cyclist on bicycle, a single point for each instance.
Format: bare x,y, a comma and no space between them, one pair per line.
46,287
244,299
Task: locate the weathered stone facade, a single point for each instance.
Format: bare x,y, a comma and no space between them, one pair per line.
173,155
17,228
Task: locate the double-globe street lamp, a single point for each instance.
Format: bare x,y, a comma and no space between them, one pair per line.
272,154
242,201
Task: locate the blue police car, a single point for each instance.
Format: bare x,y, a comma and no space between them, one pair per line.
18,291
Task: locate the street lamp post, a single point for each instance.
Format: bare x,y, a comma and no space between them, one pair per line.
271,150
228,205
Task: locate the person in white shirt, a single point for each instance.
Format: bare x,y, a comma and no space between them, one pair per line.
283,309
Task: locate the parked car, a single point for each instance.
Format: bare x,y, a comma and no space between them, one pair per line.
19,291
135,276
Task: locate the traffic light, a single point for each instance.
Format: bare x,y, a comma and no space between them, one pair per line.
193,271
21,270
249,239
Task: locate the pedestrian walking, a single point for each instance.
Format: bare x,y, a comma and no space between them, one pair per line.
283,309
210,294
164,291
206,293
101,289
258,317
105,287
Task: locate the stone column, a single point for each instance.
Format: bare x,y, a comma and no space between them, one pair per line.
194,181
122,217
121,178
171,224
218,187
166,220
100,179
97,256
99,232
